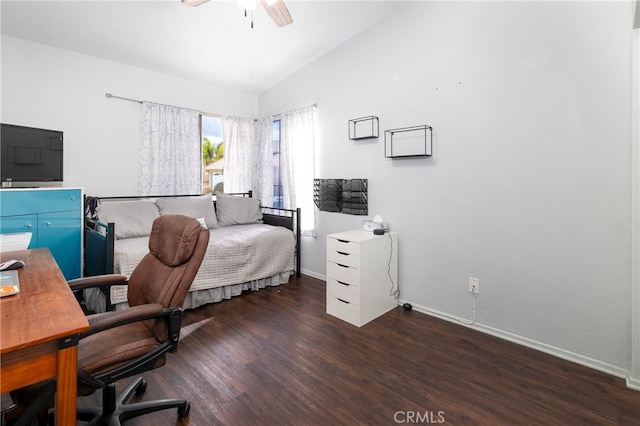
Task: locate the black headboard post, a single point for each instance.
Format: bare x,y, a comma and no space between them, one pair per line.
298,245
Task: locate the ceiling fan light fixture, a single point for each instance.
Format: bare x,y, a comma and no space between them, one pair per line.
276,9
194,3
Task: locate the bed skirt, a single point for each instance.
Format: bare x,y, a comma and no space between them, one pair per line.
95,299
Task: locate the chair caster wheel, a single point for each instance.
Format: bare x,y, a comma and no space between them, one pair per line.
142,387
184,410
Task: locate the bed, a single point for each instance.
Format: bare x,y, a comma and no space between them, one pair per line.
250,246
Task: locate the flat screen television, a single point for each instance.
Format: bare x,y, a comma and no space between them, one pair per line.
28,154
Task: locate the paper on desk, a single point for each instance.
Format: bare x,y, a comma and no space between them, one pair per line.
9,283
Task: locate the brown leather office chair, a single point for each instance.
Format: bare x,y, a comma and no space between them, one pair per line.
124,343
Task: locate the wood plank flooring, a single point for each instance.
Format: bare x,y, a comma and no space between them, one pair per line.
274,357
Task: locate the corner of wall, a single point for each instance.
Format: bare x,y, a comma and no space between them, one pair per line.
633,381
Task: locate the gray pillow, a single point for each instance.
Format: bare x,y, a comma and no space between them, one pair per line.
132,218
236,210
195,207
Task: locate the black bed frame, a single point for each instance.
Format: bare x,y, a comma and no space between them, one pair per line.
99,237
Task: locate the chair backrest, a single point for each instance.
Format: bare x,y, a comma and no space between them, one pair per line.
176,248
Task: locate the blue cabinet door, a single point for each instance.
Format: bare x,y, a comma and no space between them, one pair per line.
59,233
22,223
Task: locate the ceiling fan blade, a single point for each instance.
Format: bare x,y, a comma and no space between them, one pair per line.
278,12
194,3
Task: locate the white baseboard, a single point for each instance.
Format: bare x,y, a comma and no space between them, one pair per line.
313,274
533,344
632,383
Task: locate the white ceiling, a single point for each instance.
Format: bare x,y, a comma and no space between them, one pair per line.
212,43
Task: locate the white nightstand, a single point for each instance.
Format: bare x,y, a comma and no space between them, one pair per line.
362,275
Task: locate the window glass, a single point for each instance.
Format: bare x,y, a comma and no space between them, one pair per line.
277,177
212,154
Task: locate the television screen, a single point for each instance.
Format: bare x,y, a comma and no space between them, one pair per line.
30,155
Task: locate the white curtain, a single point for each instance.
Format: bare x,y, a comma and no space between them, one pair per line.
297,164
169,160
239,137
262,176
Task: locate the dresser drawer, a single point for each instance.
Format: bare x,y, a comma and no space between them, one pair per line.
346,292
344,310
346,274
343,246
343,258
18,202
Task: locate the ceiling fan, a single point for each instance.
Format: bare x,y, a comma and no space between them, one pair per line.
276,9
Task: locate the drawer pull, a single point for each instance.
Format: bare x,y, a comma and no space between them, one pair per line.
343,241
343,301
342,266
340,282
342,253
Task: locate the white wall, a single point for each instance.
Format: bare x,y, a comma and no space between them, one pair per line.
529,187
634,377
62,90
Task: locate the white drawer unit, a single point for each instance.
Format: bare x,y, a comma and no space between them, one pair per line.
362,275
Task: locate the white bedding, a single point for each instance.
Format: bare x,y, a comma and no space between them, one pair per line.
238,257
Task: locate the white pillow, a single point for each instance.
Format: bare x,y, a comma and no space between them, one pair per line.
202,222
195,207
132,218
237,210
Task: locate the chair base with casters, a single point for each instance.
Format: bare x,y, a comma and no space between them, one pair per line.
115,408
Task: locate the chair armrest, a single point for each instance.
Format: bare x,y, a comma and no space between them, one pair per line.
107,320
172,317
97,281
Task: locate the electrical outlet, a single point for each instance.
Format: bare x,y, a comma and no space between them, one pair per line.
474,285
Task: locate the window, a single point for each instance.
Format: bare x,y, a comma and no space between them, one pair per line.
212,154
213,158
278,201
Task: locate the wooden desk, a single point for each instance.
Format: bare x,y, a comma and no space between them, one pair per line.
39,330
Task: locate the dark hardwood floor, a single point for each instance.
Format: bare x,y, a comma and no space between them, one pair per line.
274,357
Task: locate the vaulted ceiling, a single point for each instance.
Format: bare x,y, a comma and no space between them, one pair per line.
212,43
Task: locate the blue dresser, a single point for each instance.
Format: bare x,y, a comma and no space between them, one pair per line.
53,216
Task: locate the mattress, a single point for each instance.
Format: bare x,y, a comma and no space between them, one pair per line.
236,254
